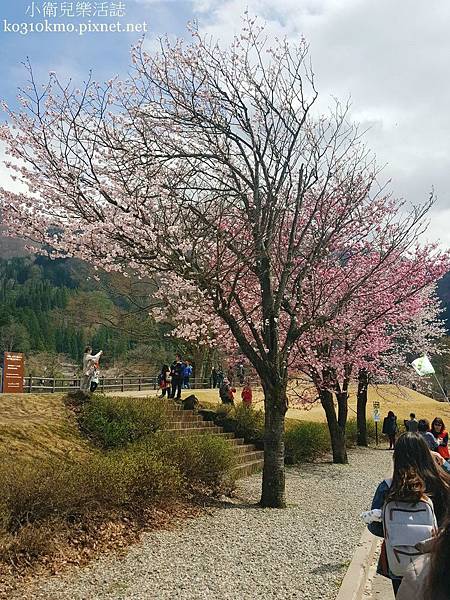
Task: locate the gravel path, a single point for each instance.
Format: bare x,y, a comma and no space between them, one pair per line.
240,551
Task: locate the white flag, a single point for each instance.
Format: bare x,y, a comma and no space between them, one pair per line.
423,366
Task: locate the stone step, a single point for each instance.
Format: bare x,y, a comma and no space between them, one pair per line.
245,469
245,448
249,457
194,430
186,424
182,417
231,439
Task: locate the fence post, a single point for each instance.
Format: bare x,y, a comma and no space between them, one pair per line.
102,385
123,383
53,385
140,383
30,385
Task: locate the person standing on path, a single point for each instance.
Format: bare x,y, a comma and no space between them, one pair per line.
412,424
390,428
95,379
176,372
220,376
164,381
441,436
226,392
415,475
187,373
241,373
424,431
428,576
89,362
247,395
214,377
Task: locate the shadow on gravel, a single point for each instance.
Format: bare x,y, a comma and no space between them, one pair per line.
320,471
328,568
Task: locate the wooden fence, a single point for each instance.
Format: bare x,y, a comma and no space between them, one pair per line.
124,383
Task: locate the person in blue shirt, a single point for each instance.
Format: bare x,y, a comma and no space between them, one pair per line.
187,372
423,429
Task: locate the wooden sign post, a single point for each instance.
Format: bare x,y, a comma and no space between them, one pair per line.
376,418
13,371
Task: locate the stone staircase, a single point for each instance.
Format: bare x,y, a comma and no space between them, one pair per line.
185,422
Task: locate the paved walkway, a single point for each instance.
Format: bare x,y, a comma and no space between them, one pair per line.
378,587
240,551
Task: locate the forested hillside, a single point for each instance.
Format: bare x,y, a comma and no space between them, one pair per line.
444,295
58,307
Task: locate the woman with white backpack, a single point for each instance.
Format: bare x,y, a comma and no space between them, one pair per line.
428,577
414,503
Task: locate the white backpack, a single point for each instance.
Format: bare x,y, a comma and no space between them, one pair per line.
405,525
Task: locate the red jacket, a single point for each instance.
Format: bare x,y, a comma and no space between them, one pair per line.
247,395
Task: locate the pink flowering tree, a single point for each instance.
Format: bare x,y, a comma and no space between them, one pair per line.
209,170
392,315
422,332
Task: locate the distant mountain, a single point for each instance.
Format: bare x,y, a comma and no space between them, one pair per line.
12,247
444,295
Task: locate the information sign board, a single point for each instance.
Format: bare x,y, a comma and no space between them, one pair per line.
13,371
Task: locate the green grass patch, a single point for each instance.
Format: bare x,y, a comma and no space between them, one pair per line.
307,440
115,422
245,422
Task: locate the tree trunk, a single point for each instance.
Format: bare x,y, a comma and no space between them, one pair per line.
361,421
337,433
273,484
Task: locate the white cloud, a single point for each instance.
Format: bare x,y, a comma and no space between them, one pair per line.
392,59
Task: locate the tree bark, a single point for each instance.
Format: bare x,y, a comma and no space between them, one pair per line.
273,485
361,420
337,433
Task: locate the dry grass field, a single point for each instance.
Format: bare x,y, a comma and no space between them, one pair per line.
37,425
401,400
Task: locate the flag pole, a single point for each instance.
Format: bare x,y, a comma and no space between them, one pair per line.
442,389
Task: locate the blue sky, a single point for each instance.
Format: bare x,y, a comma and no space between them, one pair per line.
391,58
70,54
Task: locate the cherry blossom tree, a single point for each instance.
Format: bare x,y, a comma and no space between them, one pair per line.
422,333
391,318
210,169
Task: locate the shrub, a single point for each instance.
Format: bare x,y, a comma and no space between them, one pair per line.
30,542
351,431
115,422
204,458
249,424
37,491
243,421
145,476
306,441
